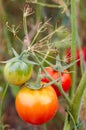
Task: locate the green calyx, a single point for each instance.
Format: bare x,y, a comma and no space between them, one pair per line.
22,57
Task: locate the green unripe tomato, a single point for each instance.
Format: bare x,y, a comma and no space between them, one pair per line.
17,72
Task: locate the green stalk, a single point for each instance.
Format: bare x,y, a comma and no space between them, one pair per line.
76,103
3,19
25,23
81,57
46,5
3,97
73,44
2,13
38,13
66,124
19,40
56,83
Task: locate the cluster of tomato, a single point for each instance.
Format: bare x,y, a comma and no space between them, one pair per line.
40,105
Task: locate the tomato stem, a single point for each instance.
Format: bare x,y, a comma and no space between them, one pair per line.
19,40
2,102
76,103
59,85
45,5
73,44
81,55
25,22
38,13
66,124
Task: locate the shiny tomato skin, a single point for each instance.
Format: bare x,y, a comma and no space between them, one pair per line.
65,79
36,106
17,72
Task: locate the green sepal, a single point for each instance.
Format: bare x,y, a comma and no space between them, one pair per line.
60,68
15,53
34,86
22,57
24,54
37,85
29,62
11,60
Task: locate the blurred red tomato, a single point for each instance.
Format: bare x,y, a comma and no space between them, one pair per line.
69,58
66,79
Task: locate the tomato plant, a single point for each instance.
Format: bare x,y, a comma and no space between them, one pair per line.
83,51
36,106
17,72
65,79
43,45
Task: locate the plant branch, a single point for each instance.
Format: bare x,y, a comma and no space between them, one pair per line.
25,24
56,83
76,103
46,5
73,44
3,97
66,123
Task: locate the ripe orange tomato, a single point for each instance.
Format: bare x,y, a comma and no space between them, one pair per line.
36,106
17,72
65,78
